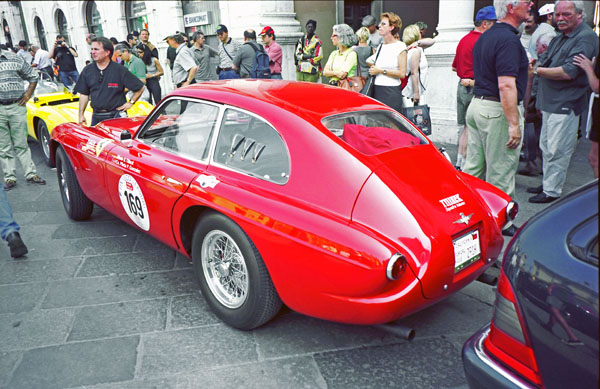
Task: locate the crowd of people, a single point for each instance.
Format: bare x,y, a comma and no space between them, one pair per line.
523,74
533,84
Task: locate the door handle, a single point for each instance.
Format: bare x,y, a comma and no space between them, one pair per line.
171,180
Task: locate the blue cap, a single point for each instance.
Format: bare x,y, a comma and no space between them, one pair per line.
486,13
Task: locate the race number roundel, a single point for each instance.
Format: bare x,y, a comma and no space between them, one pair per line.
133,201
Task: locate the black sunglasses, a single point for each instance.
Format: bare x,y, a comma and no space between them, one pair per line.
101,77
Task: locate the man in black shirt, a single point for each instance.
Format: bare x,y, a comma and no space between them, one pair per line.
104,83
64,56
495,116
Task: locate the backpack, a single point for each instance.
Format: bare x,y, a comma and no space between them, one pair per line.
260,69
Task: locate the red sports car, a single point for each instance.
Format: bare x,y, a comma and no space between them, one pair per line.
287,192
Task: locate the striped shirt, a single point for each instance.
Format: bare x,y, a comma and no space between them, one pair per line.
13,70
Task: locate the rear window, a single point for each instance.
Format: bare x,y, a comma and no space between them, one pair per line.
374,132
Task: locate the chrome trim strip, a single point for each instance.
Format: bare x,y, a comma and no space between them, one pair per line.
494,366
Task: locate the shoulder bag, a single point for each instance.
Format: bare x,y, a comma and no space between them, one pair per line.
370,83
354,83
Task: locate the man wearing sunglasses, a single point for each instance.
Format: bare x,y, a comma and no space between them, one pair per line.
105,83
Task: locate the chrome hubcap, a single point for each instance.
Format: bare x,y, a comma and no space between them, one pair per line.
224,269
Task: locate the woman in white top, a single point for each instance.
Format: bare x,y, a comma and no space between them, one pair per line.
389,62
417,67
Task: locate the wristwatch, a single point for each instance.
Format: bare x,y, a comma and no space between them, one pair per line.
384,72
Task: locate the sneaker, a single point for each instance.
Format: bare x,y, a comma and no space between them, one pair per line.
35,179
17,247
9,184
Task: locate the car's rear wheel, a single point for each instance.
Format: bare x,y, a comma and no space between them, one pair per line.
44,139
77,205
233,277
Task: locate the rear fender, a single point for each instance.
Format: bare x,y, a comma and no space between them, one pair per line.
494,198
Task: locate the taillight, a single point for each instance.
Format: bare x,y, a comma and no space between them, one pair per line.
512,209
396,266
507,342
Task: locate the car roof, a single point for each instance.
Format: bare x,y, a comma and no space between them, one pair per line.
312,99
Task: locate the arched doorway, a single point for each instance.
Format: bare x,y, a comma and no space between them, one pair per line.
41,33
7,36
61,24
135,11
93,18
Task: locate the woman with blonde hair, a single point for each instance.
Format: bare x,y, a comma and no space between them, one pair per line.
342,62
389,62
363,50
416,66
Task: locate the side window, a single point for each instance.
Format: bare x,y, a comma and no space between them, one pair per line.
249,144
183,127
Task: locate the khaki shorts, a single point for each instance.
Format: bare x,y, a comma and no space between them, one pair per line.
463,99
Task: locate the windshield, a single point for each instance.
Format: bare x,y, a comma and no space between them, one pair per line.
374,132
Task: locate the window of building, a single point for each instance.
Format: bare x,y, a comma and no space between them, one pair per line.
249,144
61,24
41,33
135,11
93,19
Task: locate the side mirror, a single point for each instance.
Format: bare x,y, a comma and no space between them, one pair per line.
125,138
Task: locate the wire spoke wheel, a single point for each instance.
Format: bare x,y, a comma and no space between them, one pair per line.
225,269
233,278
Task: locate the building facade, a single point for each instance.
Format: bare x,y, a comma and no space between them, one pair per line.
448,20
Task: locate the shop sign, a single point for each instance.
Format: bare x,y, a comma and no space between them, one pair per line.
196,19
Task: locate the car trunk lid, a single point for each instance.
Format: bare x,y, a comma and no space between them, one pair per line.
451,215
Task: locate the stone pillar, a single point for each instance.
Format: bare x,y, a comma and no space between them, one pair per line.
455,21
281,17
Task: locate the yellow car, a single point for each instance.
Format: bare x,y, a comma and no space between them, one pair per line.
51,106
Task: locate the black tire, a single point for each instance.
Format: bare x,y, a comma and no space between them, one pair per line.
261,300
77,205
44,140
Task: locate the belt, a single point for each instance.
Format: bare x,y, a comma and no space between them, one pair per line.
104,110
488,98
226,69
9,102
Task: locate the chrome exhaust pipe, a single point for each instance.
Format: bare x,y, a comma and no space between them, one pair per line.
397,329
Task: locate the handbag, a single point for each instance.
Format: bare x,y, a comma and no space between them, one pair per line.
354,83
419,116
367,90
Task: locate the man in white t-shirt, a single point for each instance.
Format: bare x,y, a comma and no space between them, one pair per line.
42,61
546,26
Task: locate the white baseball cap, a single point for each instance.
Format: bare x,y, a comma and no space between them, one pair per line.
546,9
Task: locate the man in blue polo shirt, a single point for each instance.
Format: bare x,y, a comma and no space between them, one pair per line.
495,115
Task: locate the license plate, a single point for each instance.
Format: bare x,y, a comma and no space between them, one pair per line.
466,250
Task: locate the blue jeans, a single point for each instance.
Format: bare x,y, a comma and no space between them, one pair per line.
7,223
66,77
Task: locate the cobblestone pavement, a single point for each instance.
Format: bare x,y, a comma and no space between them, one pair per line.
97,304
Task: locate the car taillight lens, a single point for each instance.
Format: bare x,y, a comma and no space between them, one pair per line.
396,267
512,209
507,342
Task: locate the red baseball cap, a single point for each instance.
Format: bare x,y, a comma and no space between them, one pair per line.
267,30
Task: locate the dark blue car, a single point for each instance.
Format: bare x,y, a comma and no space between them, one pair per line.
544,330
